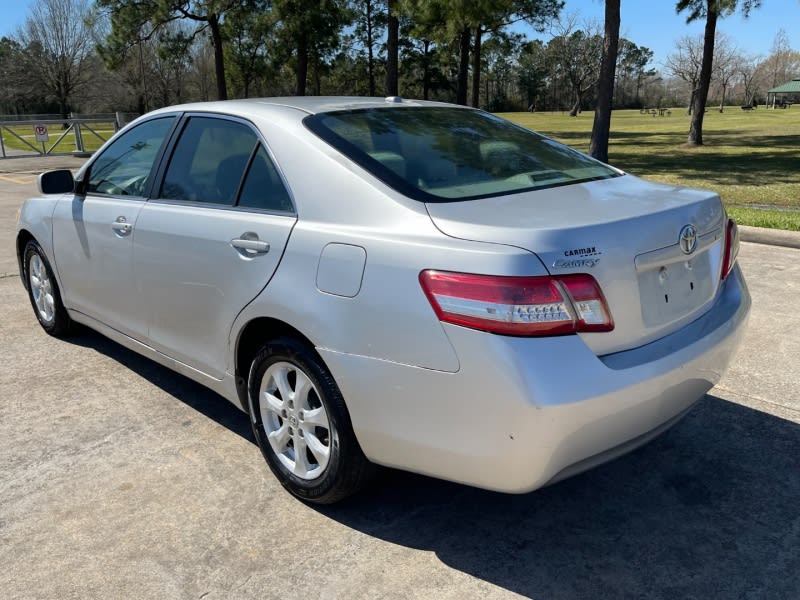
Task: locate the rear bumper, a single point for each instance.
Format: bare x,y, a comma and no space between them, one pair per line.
522,412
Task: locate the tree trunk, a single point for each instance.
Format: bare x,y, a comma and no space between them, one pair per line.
476,69
302,66
699,106
598,147
576,108
426,73
463,66
370,57
219,57
392,35
722,101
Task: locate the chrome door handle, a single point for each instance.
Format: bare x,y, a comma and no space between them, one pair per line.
121,226
252,246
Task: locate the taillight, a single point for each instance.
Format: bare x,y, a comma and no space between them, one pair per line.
524,306
731,247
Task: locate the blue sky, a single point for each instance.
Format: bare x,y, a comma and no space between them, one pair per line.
651,23
655,24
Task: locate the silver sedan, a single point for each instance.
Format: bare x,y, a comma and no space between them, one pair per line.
394,282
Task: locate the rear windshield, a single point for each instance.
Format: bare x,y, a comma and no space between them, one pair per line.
446,154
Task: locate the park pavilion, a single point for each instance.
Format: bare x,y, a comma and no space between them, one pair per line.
791,88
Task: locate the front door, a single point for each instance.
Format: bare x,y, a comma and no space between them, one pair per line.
93,233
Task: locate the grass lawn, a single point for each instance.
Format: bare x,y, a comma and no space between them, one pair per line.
91,140
751,158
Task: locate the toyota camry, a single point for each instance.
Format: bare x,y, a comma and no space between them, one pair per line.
392,282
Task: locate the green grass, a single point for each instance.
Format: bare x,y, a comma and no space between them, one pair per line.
760,217
91,142
751,159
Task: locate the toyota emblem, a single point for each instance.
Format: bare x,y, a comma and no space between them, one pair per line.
688,239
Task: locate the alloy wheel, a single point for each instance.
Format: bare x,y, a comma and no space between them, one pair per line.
295,420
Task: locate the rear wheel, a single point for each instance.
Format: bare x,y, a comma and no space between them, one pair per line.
44,293
302,425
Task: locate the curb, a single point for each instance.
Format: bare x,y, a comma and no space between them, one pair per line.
771,237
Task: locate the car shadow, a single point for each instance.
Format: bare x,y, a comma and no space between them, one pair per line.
707,510
194,395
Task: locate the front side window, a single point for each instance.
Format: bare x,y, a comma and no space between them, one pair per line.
209,161
438,154
125,165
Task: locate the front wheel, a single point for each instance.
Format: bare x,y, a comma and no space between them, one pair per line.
43,292
302,425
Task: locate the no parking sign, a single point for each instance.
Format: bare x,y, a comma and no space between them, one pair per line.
41,133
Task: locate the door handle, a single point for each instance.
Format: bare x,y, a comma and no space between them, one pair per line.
251,246
121,226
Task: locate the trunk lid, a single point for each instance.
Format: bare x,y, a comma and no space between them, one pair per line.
625,232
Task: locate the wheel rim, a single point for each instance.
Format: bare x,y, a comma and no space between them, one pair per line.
295,420
41,289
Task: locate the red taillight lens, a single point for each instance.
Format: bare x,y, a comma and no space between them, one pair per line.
731,250
525,306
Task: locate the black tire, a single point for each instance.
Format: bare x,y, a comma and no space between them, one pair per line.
57,323
347,469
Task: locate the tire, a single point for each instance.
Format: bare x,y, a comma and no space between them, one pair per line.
330,466
43,292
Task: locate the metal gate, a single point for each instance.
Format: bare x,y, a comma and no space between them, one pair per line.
72,136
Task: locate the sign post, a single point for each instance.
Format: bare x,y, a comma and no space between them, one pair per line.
42,135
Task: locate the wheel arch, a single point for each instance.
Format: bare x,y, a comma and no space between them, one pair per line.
23,237
251,339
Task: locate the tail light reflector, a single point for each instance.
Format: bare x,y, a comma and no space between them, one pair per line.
731,247
524,306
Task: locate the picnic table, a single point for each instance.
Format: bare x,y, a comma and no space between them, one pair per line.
655,111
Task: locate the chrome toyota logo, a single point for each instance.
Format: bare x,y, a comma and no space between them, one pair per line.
688,239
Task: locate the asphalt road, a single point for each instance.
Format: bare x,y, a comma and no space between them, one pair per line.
121,479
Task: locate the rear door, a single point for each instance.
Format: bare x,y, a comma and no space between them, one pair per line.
93,233
210,238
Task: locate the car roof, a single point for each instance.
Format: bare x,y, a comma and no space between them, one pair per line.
306,104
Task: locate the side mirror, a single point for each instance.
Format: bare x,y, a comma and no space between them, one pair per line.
56,182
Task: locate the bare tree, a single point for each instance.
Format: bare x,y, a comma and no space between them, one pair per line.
577,54
779,57
59,47
726,62
747,68
685,63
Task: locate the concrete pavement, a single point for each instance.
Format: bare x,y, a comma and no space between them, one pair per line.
121,479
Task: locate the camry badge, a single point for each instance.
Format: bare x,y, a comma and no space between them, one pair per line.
688,239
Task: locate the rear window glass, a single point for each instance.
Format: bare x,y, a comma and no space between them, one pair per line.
447,154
